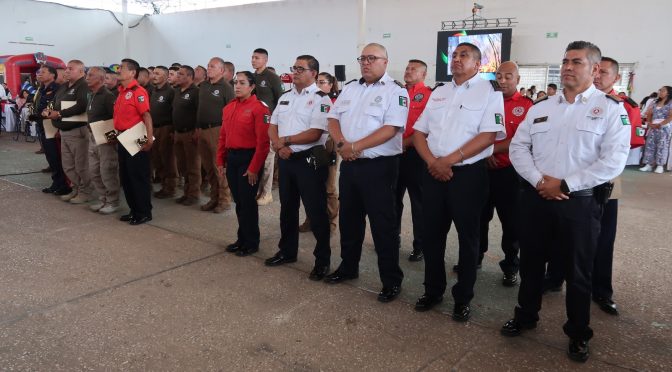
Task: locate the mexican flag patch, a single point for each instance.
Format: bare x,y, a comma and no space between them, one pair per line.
403,101
324,108
267,119
499,119
625,120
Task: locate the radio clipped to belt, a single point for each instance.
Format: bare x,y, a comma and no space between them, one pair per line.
602,192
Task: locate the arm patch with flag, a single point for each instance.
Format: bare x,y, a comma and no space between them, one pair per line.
625,120
325,108
499,119
267,119
403,101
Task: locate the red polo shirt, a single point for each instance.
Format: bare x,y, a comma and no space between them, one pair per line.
515,109
419,95
131,103
245,126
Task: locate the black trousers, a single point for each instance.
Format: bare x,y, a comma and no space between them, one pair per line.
410,178
504,193
301,181
244,195
52,151
605,251
574,225
134,174
367,187
458,201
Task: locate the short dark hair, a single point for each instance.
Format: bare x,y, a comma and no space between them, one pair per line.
175,64
474,49
142,69
229,66
418,61
313,64
594,53
261,51
151,68
174,68
164,68
52,70
189,70
553,86
614,63
199,67
132,65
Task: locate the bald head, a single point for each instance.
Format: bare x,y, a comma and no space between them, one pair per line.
373,62
377,47
508,78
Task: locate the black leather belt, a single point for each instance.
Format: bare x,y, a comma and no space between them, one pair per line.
300,155
586,192
378,158
209,125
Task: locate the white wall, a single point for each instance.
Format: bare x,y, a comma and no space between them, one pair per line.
90,35
630,32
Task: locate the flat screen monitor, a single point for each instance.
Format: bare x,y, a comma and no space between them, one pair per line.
495,46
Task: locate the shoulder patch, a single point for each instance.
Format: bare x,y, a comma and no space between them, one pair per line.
540,100
400,84
614,98
631,102
495,85
436,86
350,81
321,93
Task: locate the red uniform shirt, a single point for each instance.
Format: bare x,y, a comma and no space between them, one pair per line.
419,94
515,109
635,116
245,126
131,103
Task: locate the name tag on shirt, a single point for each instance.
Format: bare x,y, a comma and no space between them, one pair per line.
540,120
281,103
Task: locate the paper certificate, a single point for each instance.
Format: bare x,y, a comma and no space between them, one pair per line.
80,117
49,129
134,138
103,131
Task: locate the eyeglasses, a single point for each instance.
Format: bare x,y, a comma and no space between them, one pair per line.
298,69
369,59
322,82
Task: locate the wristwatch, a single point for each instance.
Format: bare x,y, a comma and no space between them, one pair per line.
286,141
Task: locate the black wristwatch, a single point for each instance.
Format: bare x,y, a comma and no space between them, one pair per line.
286,141
340,144
564,187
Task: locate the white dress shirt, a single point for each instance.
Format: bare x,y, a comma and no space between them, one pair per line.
586,143
297,112
455,114
364,108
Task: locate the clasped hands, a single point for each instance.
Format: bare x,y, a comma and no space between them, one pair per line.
348,151
549,188
280,146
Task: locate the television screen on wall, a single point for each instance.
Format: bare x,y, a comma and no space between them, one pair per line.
495,46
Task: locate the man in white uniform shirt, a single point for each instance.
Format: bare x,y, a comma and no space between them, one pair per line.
567,149
454,136
367,123
298,132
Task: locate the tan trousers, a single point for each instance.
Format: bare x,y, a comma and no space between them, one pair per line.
219,187
104,170
75,158
166,164
266,182
188,163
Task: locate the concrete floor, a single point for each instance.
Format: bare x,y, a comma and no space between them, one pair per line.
81,291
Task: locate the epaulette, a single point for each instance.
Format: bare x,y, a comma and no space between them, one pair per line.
287,91
614,98
540,100
321,93
631,102
495,85
350,81
400,84
437,85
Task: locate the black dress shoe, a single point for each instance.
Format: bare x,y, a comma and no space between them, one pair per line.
279,259
140,220
416,255
426,302
234,247
388,294
510,279
126,217
606,305
63,191
49,190
457,267
513,328
578,351
318,273
337,277
461,312
245,251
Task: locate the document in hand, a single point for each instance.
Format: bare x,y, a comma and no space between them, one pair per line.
103,131
134,138
49,128
80,117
